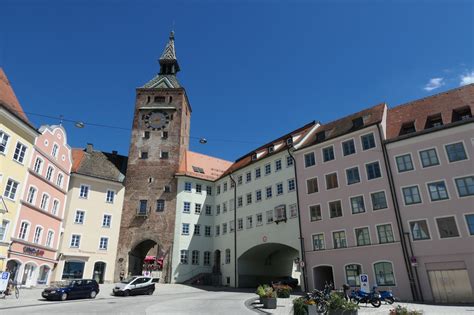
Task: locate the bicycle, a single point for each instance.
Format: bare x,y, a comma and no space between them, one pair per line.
12,289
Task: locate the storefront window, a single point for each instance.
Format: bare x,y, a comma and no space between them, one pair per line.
43,275
73,270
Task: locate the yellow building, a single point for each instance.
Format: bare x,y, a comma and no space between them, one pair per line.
17,137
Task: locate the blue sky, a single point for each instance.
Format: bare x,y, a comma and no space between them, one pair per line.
252,70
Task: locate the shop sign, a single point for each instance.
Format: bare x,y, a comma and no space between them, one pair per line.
33,251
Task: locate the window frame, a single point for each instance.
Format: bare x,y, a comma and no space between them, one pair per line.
448,195
8,137
27,231
457,188
455,222
467,224
320,212
305,160
324,241
367,170
363,201
372,201
421,159
307,187
347,177
79,240
329,208
362,141
378,235
326,181
88,191
22,162
333,239
403,195
411,159
346,141
394,284
333,153
409,222
464,148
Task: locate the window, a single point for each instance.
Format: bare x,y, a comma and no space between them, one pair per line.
309,159
103,243
224,207
293,210
218,209
160,205
75,241
335,209
218,230
31,195
208,210
59,180
44,202
79,217
184,256
348,147
277,165
352,274
438,191
209,190
258,195
225,184
37,236
224,228
404,163
249,222
54,152
352,175
185,229
315,213
456,152
312,185
240,201
164,155
227,256
328,154
164,135
357,204
240,224
291,185
465,186
429,158
269,216
195,257
3,141
321,136
110,196
84,191
268,169
55,208
197,208
143,207
146,135
218,189
207,230
331,181
186,207
167,189
269,191
406,128
198,188
231,226
279,187
38,165
249,199
419,230
197,229
384,274
187,186
248,177
385,233
23,234
207,259
318,242
11,189
378,200
143,155
461,113
411,195
49,173
469,221
339,239
362,236
257,173
259,219
106,220
3,229
20,152
368,141
447,227
280,212
50,239
289,161
373,170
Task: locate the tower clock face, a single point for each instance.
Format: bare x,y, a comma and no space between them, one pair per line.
156,120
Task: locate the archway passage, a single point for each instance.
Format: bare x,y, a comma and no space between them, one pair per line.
321,276
13,266
267,263
137,256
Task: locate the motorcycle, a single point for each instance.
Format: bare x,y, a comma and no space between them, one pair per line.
387,296
321,298
373,297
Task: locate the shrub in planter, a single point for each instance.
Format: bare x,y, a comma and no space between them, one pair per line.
339,306
260,292
299,306
269,299
402,310
282,290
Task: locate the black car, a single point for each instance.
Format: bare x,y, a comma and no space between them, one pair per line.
74,289
292,282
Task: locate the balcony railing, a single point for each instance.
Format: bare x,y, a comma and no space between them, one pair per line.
142,212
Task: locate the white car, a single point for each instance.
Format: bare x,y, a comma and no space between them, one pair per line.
135,285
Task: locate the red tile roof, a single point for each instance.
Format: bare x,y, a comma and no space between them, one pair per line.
77,156
212,167
8,97
419,110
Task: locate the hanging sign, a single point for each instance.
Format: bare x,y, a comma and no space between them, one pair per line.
364,283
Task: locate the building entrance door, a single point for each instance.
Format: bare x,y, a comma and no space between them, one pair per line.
451,286
99,272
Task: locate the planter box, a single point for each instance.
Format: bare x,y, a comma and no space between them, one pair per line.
270,303
342,312
312,310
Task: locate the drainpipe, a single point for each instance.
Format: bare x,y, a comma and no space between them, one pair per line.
407,234
413,286
236,285
303,254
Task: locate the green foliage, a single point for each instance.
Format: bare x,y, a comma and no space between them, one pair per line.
260,291
337,302
402,310
299,306
266,291
282,290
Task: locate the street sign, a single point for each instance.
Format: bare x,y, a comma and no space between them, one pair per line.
4,280
364,283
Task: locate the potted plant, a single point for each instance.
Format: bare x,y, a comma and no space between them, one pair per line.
269,298
339,306
282,290
402,310
260,292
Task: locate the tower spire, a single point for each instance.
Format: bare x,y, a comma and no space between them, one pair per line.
168,62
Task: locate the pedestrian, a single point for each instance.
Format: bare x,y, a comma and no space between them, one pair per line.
122,274
345,288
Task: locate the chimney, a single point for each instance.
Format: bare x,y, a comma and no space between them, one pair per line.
89,148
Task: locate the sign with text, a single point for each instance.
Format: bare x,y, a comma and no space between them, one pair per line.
4,280
364,283
33,251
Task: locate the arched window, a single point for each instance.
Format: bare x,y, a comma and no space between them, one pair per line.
38,165
227,256
59,181
31,195
44,202
384,274
23,230
38,234
352,274
49,173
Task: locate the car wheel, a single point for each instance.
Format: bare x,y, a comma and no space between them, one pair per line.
126,293
93,294
150,292
64,297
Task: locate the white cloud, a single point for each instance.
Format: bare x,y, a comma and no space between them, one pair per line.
467,78
434,84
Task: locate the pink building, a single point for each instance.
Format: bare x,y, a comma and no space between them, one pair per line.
35,240
430,149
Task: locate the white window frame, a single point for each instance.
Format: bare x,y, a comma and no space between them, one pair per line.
22,162
333,153
362,142
412,162
465,151
107,196
17,188
40,236
103,220
430,236
455,221
402,195
27,231
106,243
79,240
427,184
50,240
83,216
46,206
80,191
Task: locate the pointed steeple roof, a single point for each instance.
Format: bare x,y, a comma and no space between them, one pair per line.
8,97
169,53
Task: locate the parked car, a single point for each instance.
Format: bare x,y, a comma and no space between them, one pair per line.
292,282
74,289
135,285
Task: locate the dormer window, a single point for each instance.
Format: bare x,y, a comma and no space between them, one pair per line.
159,99
321,136
357,123
462,113
198,169
254,157
434,121
407,128
271,149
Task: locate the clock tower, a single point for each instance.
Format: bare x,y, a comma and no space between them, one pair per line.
160,137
